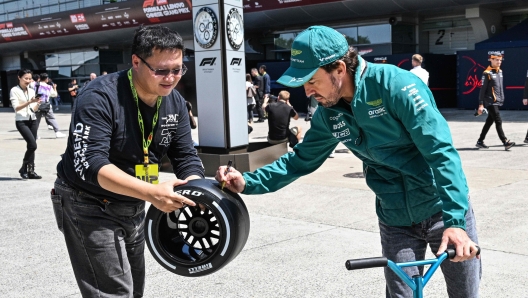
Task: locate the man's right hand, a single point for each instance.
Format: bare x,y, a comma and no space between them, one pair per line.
165,199
525,102
480,109
233,179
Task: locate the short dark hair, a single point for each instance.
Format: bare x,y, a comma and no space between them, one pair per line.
351,61
23,72
43,76
263,67
35,77
148,38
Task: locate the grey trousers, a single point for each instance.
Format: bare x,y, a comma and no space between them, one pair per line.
404,244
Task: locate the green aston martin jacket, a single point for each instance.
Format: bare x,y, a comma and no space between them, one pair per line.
395,128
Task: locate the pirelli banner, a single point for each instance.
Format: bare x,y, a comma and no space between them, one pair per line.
98,18
220,74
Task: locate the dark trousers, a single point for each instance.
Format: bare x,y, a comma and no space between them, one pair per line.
28,130
72,98
493,116
105,241
258,105
250,113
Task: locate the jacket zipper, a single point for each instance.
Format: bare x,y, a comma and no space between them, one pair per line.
361,134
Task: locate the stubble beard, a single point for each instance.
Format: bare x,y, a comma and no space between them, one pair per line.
333,98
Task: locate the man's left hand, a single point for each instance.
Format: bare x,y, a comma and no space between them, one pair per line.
465,248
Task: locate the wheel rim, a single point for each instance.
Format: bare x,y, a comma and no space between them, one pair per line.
190,234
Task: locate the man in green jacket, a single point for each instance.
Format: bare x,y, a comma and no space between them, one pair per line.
388,118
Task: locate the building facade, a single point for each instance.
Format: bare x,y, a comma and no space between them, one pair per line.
71,38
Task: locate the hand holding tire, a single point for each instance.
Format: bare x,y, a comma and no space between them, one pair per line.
166,200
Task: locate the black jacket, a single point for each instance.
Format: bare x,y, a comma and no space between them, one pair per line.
492,91
105,130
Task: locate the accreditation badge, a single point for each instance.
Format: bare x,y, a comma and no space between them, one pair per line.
149,173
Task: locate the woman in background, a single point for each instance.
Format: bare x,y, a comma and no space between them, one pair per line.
24,103
250,94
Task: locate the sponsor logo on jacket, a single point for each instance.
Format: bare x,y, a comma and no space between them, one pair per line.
341,134
375,103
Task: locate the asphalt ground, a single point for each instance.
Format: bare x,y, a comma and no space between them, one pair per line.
300,236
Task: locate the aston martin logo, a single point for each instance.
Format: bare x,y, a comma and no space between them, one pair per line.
375,103
295,52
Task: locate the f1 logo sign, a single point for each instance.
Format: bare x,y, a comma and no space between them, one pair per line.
236,61
208,61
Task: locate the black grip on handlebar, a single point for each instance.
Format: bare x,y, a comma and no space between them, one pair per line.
366,263
451,253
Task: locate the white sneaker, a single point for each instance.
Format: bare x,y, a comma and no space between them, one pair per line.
59,134
38,137
50,127
331,155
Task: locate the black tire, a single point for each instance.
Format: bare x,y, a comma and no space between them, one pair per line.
193,241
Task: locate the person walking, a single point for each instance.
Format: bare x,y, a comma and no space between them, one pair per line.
491,97
388,118
48,91
24,102
123,124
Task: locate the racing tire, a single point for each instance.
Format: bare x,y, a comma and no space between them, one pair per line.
200,240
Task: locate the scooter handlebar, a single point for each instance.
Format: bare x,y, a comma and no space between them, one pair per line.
366,263
451,253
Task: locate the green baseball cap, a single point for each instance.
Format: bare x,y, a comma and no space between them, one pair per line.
311,49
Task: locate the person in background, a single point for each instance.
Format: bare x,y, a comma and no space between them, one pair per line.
123,124
250,96
54,99
24,102
73,88
104,73
93,76
491,97
47,92
423,74
279,115
35,80
259,98
266,84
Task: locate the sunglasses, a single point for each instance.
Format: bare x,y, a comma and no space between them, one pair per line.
166,72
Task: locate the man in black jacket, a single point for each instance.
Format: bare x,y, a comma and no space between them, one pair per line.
258,81
492,97
280,111
123,124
